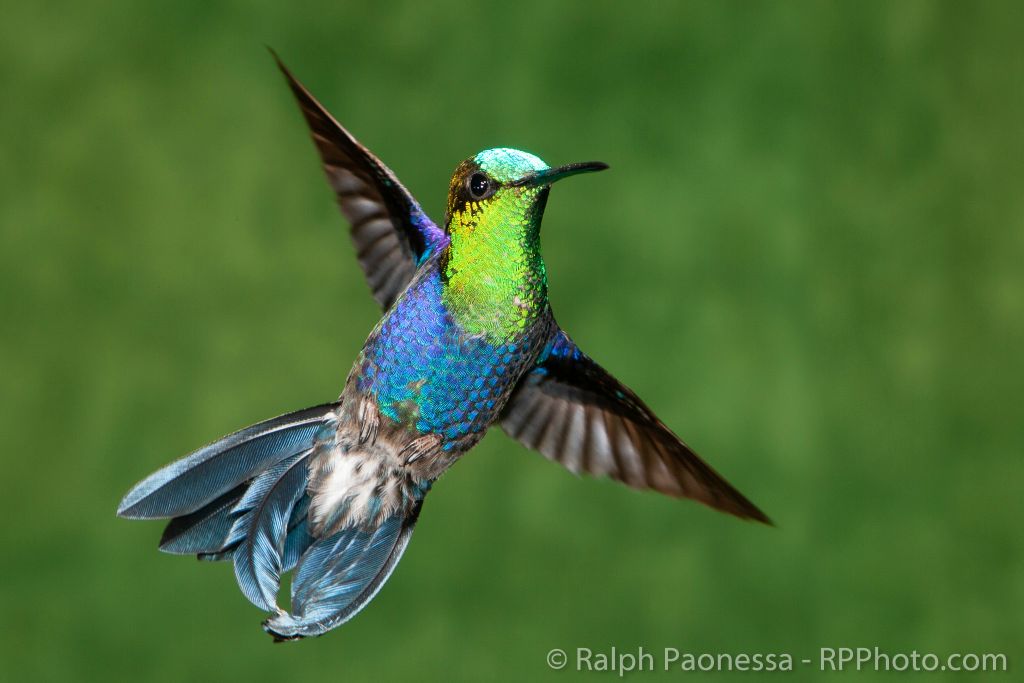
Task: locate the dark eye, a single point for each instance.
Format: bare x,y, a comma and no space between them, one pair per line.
479,186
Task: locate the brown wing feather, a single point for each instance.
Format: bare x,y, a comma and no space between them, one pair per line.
574,412
389,229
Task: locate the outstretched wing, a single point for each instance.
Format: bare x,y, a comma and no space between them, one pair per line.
574,412
389,229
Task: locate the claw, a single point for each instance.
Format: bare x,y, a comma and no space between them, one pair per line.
369,421
425,445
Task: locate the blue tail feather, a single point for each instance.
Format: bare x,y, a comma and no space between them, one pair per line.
296,544
261,528
338,575
192,482
205,530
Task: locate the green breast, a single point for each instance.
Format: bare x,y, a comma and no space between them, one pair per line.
495,281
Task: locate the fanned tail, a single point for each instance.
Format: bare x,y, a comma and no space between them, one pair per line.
247,498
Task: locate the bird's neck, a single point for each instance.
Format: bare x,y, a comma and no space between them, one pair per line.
495,283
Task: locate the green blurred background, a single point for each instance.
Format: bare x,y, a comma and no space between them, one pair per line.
807,258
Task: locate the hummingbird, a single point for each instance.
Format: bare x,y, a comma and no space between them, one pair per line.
467,341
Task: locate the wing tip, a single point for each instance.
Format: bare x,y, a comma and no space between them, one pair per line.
277,59
297,88
755,514
725,498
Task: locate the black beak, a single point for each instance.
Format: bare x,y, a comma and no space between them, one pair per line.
551,175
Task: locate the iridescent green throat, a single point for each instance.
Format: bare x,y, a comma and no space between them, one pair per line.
495,281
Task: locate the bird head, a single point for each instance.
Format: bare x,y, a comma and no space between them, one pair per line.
504,188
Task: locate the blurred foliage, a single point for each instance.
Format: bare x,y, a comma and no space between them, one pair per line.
807,258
